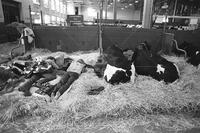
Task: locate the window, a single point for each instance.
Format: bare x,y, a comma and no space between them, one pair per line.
64,9
53,19
53,7
46,3
57,5
46,19
36,17
58,20
36,2
61,7
70,8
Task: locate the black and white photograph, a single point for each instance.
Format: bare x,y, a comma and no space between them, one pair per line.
99,66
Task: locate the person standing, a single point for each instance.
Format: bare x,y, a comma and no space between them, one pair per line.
27,38
27,35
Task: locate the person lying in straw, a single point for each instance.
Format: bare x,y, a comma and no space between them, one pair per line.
42,71
73,72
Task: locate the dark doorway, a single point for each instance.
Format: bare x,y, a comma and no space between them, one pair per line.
11,11
76,11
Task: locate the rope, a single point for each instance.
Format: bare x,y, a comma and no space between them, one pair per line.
176,45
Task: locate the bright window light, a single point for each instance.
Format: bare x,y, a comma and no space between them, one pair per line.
46,19
57,6
91,12
70,8
53,7
46,3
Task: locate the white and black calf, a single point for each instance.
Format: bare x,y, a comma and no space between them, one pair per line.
149,64
118,68
192,53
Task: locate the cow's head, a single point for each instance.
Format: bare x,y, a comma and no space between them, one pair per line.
113,54
143,46
113,50
128,53
143,49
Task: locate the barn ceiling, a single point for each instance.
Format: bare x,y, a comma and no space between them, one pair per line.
120,3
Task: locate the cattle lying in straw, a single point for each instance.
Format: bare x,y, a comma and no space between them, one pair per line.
118,69
192,53
149,64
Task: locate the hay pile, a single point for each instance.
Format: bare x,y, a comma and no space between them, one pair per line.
145,102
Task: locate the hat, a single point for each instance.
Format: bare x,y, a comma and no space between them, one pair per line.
81,61
51,58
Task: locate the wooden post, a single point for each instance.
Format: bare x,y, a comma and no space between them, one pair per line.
31,21
141,10
31,24
106,9
174,13
101,10
100,28
147,13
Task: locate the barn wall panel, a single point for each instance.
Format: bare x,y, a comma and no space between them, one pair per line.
68,39
128,38
71,39
189,36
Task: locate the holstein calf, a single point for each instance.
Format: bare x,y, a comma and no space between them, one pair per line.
118,68
193,53
149,64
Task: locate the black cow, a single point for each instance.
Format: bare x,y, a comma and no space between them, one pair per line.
149,64
118,68
192,53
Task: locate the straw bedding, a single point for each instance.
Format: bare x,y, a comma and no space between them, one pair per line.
144,101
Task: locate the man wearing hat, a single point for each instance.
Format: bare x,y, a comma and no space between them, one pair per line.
27,36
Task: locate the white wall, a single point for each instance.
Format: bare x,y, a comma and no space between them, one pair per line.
36,8
126,14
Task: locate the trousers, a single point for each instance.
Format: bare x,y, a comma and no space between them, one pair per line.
65,82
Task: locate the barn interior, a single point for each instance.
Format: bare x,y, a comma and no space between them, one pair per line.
85,29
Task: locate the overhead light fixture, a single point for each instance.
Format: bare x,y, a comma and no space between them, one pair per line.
130,4
126,6
122,8
136,1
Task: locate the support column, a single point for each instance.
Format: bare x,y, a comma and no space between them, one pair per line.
106,9
100,28
114,9
30,16
147,14
1,13
174,13
41,15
